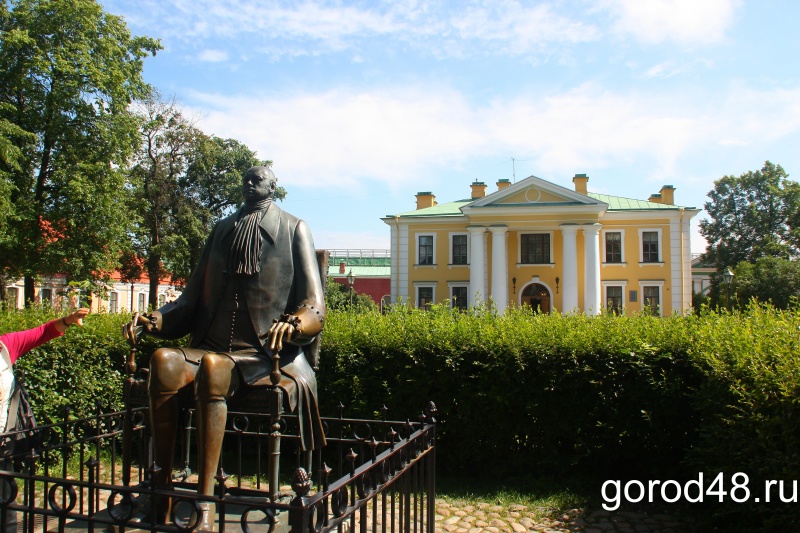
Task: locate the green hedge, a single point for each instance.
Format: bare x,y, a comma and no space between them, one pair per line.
81,370
605,397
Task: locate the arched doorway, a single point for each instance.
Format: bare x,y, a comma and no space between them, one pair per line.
537,296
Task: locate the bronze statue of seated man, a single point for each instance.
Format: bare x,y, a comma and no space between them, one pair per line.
256,290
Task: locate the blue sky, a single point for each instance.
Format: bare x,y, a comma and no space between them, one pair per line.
363,104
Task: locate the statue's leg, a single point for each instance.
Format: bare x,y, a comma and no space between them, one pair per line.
211,390
168,374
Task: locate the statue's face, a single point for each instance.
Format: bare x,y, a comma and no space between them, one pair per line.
257,185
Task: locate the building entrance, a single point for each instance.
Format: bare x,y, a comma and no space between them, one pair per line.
537,296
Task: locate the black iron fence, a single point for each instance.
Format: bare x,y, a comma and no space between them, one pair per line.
93,474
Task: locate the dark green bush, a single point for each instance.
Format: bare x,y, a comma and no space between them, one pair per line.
82,369
529,392
607,397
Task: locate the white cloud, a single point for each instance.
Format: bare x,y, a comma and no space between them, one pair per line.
213,56
313,27
682,21
401,135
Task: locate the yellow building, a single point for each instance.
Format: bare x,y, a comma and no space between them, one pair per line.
537,243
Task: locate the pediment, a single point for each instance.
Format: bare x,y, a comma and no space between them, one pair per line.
532,192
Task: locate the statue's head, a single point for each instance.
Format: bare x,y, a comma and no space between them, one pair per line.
258,184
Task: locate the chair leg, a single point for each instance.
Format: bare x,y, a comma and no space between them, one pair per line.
163,421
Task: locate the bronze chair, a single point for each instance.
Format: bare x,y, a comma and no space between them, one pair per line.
265,397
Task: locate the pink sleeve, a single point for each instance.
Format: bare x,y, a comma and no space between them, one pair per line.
21,342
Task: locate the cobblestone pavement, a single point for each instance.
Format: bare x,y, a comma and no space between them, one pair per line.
461,517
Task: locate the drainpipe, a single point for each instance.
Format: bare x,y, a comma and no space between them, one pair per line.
396,254
683,266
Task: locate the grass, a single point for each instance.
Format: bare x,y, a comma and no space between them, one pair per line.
542,497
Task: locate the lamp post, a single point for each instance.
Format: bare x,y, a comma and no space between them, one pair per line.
351,279
727,276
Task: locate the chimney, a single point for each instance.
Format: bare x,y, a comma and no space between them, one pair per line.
580,181
655,198
425,199
478,189
341,267
668,195
502,184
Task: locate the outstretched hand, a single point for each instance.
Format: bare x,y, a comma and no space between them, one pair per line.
134,329
76,317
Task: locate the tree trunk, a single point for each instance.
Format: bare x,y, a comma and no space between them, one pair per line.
29,292
154,271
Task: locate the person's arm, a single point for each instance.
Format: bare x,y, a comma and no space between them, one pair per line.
73,319
305,323
21,342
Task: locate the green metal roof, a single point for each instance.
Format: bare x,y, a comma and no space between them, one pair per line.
615,203
360,261
618,203
441,210
360,271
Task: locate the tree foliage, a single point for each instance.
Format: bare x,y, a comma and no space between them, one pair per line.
338,296
70,71
752,216
183,181
769,279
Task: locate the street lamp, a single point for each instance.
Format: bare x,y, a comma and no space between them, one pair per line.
727,276
351,279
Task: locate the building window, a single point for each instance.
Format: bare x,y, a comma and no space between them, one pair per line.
458,249
113,302
535,248
425,249
46,295
458,297
650,246
142,302
424,297
162,299
613,244
614,299
12,293
651,299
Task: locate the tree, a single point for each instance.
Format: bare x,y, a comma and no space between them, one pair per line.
752,216
338,296
183,181
769,279
70,71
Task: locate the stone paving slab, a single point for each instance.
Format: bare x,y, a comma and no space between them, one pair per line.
462,517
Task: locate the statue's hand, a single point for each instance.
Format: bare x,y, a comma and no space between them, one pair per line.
282,330
138,325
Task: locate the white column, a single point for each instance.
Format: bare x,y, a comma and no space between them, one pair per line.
477,265
591,269
569,257
500,267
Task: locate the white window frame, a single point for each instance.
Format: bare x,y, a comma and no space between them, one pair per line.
614,283
416,240
450,248
652,283
454,284
17,292
42,299
424,285
661,252
622,245
142,302
113,302
519,248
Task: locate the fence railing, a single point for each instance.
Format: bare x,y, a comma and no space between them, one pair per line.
373,476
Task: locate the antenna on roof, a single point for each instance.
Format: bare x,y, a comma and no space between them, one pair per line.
514,169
